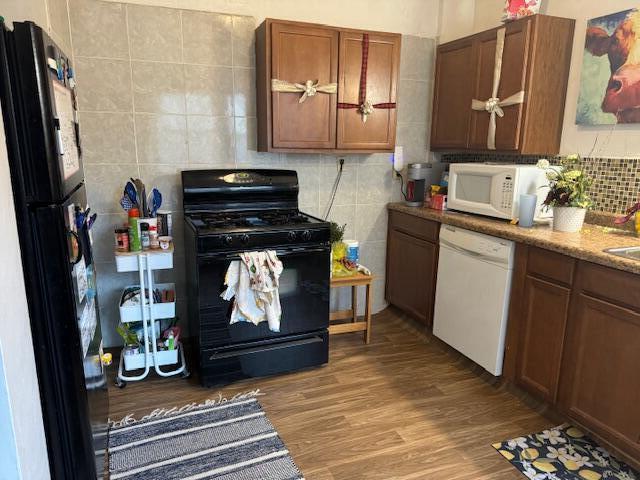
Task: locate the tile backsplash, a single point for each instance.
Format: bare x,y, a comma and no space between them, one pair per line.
161,90
616,181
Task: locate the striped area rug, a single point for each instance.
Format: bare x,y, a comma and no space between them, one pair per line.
222,440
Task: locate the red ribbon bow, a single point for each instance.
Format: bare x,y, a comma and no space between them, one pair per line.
363,105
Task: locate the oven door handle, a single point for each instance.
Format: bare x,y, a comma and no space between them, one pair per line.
280,253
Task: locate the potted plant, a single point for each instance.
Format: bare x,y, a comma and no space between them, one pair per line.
130,338
568,193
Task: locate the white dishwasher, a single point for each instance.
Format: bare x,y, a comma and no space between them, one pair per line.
472,294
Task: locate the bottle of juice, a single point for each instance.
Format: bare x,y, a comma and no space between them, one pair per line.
134,230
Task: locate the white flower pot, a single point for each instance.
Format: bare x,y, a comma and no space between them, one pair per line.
568,219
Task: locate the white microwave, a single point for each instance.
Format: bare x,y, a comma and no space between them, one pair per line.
494,189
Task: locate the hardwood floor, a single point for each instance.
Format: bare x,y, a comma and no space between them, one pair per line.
403,407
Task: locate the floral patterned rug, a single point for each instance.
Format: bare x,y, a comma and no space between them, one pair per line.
563,453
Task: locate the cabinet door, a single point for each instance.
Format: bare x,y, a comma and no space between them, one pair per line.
512,80
600,384
411,271
543,320
301,53
452,95
382,62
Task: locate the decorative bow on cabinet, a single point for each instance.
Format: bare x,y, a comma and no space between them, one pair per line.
325,89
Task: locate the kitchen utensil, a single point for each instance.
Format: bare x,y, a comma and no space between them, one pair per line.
126,203
155,199
130,191
91,220
142,195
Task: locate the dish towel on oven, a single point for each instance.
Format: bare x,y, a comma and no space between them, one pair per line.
254,281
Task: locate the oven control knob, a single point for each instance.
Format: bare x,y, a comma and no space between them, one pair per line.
244,239
291,236
227,240
306,235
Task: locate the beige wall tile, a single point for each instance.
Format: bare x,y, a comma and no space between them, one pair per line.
158,87
107,138
374,184
244,92
211,141
244,41
413,96
104,85
417,57
99,29
347,190
165,178
105,184
371,223
59,20
155,33
161,139
209,90
206,38
413,138
246,145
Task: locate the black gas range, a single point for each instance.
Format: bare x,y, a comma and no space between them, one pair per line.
227,212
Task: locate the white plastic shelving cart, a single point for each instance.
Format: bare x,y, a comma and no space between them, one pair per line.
145,263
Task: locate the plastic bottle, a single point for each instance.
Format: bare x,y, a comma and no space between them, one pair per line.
145,240
134,230
171,341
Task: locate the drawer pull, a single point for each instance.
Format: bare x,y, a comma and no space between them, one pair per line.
279,346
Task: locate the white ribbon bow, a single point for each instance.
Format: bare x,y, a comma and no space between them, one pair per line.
366,109
494,105
308,88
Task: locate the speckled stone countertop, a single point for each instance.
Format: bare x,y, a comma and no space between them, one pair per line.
588,244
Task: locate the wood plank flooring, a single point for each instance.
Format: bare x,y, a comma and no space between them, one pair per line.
403,407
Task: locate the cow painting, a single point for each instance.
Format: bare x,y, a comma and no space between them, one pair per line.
610,81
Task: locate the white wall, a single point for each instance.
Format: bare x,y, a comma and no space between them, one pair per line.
21,394
410,17
615,141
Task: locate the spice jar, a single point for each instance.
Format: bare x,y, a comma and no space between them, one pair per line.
144,236
154,240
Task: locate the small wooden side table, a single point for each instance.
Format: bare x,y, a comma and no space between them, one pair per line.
353,281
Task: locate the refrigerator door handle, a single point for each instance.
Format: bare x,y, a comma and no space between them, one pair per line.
79,255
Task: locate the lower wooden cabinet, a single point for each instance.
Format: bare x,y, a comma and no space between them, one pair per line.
544,317
600,383
574,342
412,263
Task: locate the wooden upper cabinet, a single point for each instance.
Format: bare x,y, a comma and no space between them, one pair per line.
300,54
297,52
379,132
512,81
536,59
454,91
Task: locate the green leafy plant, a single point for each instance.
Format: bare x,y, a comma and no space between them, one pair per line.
336,232
568,184
130,338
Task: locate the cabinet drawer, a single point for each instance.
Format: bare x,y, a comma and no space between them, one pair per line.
550,265
619,287
415,226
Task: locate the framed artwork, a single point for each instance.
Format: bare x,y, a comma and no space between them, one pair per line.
610,77
514,9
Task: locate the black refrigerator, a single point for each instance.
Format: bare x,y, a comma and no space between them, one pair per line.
40,120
